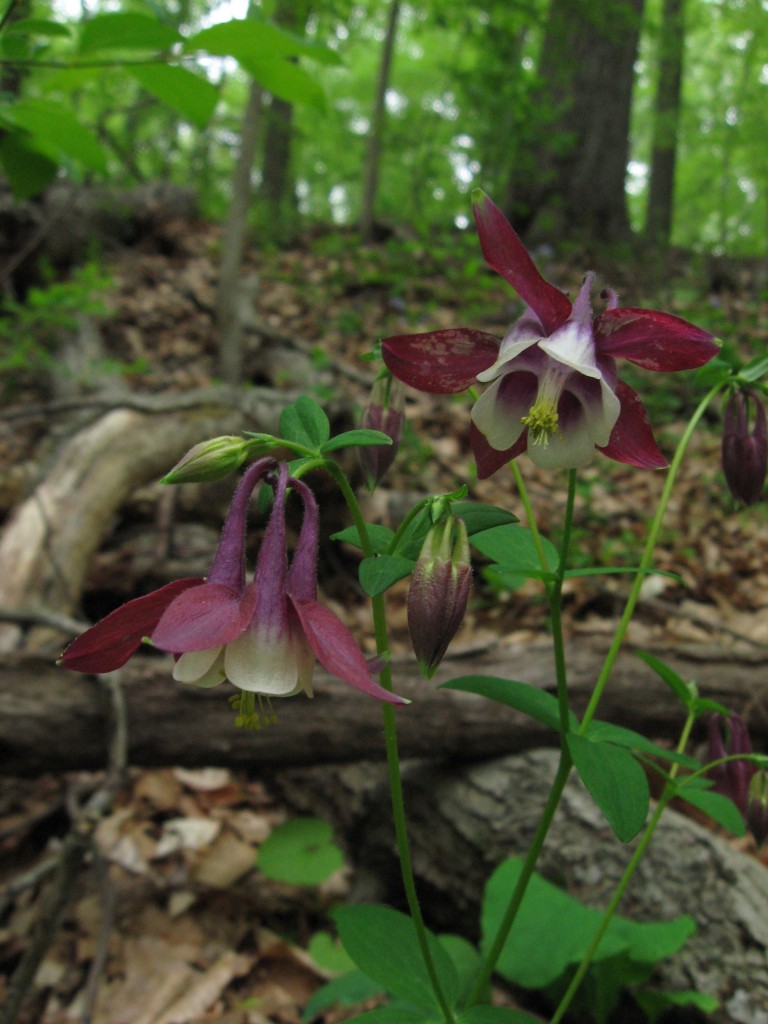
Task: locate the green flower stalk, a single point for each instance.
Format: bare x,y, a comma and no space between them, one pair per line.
757,806
439,592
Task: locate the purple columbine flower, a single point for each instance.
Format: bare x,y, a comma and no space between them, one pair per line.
745,451
385,412
264,636
728,736
554,390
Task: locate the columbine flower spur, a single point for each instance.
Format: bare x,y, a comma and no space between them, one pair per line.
554,390
263,637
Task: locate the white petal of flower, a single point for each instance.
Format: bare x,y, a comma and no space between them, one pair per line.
522,336
499,411
570,450
574,345
200,668
263,661
600,409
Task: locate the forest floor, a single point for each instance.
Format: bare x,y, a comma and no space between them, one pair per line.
197,934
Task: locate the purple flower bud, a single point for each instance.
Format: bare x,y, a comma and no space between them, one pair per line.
439,591
757,807
744,452
728,736
209,460
385,412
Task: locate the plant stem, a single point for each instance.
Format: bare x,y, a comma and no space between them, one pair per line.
530,517
393,755
494,951
554,593
645,561
637,855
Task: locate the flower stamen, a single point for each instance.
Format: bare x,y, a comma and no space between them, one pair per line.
542,419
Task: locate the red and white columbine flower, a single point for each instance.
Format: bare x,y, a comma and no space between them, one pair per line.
264,636
554,390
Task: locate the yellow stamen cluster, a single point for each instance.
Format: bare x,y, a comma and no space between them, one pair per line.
541,422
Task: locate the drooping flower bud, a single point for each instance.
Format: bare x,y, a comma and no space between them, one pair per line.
209,460
745,451
439,591
385,412
728,736
757,807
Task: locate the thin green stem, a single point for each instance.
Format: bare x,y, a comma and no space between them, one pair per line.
530,517
637,855
494,950
554,593
555,611
645,561
393,755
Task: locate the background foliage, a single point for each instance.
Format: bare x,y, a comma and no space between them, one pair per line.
137,90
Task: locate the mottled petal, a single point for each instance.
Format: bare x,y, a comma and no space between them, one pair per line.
111,642
200,668
632,440
488,459
440,362
208,616
498,412
263,660
654,340
336,649
505,253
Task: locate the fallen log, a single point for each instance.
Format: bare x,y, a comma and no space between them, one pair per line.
51,719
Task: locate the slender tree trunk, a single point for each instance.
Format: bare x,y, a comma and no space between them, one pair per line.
586,70
233,242
276,194
666,120
375,138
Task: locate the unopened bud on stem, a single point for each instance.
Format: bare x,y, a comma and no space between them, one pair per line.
209,460
439,591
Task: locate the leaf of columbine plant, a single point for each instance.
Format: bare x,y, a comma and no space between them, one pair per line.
615,781
383,944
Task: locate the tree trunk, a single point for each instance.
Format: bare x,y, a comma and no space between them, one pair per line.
586,70
666,119
228,299
375,137
276,197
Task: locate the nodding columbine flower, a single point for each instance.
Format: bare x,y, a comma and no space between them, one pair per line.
745,451
385,412
728,736
263,637
439,591
554,387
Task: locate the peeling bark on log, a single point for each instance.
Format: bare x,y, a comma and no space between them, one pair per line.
465,819
51,719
